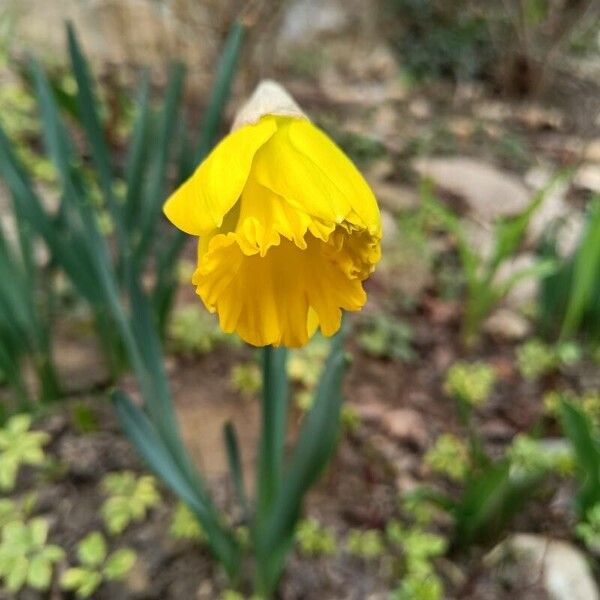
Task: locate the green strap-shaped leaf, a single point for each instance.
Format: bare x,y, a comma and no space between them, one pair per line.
316,440
144,437
137,155
236,471
586,443
584,281
220,92
489,500
87,106
151,207
164,291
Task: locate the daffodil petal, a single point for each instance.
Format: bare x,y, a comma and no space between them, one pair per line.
289,172
265,217
276,299
200,203
319,149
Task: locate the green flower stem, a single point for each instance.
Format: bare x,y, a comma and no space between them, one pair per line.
274,417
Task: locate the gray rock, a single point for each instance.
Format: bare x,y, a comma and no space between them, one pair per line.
524,291
489,192
560,568
507,324
306,20
406,425
554,206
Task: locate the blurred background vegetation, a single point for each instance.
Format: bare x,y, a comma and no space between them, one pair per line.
469,462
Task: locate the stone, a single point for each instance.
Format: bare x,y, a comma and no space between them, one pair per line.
394,197
569,234
489,192
479,235
406,425
557,566
389,229
307,20
553,207
523,292
588,178
507,325
370,411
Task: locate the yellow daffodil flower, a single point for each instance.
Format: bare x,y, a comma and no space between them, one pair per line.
288,228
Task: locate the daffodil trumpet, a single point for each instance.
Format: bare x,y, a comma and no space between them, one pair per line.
288,228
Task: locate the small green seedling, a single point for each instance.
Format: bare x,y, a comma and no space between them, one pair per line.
25,557
419,586
589,403
589,530
185,526
20,510
449,456
233,595
367,545
246,378
419,548
471,383
130,497
383,337
314,539
305,364
193,330
535,359
527,456
19,446
96,566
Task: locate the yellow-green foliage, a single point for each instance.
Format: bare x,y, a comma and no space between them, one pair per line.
11,510
193,330
384,337
589,530
589,402
313,539
528,456
419,586
534,359
368,544
449,456
470,382
185,526
130,498
19,446
96,566
305,364
246,378
419,548
25,556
